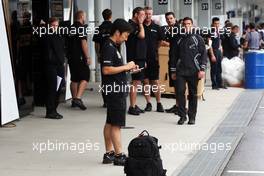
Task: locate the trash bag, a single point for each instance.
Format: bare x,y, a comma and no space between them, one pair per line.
233,71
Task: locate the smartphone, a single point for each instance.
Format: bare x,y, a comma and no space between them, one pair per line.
139,70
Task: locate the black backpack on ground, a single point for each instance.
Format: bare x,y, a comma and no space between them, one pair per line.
144,157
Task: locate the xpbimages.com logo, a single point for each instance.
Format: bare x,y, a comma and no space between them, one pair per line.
204,31
56,145
125,88
192,146
81,31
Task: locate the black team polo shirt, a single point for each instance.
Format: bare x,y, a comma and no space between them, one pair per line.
112,57
153,35
136,47
103,34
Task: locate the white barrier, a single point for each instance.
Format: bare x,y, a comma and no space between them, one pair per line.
9,109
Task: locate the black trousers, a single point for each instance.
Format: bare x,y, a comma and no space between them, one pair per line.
192,82
216,70
52,94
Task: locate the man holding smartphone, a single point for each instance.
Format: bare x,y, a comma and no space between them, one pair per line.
115,75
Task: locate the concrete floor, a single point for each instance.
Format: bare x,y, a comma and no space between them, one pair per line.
20,157
248,157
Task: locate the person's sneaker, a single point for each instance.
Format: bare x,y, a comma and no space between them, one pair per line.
133,111
148,107
120,160
109,157
139,110
182,120
173,109
160,107
78,103
191,122
54,116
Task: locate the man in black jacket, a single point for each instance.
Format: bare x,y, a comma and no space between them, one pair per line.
188,66
54,68
231,45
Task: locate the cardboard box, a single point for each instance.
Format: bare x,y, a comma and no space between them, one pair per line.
164,74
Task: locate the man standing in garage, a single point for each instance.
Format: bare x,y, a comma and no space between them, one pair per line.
188,66
153,37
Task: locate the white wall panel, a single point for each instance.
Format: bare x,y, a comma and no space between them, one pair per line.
9,109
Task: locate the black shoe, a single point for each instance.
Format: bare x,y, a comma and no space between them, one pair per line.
104,105
148,107
139,110
73,104
191,122
120,160
223,87
182,120
78,103
173,109
59,115
54,116
109,157
133,111
160,107
215,88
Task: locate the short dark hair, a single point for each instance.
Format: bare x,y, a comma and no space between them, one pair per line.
252,25
215,19
120,25
187,18
246,27
148,8
79,14
235,26
170,13
229,25
53,19
26,14
107,14
137,10
180,21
